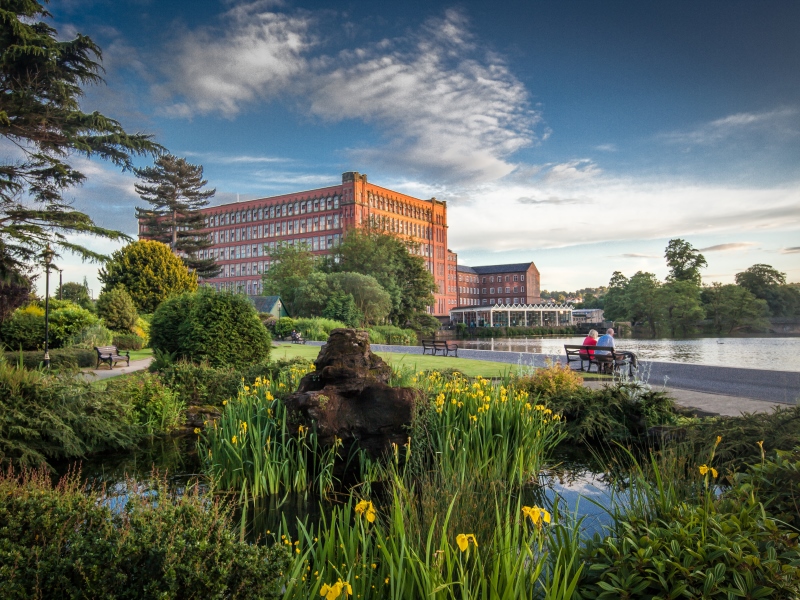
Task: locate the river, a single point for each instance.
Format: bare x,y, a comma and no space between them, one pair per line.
770,353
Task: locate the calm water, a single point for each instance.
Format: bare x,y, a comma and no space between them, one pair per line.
772,353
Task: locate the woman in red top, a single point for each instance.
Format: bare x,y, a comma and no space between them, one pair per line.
591,340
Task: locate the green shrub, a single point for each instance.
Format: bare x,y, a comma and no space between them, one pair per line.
166,322
715,550
158,409
618,412
219,327
318,328
65,358
199,384
776,483
375,337
46,415
342,307
25,329
557,379
283,327
396,336
128,341
93,336
66,322
59,542
117,309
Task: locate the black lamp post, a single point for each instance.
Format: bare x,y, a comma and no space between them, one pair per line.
61,284
47,256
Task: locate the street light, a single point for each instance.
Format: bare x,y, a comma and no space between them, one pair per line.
60,284
47,256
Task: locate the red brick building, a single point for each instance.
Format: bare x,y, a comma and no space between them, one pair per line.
498,284
243,232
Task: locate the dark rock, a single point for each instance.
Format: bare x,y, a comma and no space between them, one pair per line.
347,397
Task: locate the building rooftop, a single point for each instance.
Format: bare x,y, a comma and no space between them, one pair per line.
264,304
465,269
491,269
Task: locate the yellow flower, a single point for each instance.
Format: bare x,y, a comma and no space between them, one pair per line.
366,508
247,388
761,445
536,515
224,402
300,430
473,417
197,430
719,439
233,439
463,540
244,426
705,469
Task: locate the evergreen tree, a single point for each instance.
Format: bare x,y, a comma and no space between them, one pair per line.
117,309
174,189
40,116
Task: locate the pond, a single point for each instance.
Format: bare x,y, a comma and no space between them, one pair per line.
771,353
575,483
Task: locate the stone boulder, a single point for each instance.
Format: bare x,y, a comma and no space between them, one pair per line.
348,396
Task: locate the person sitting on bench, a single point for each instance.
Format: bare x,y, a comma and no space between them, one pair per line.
296,337
608,341
591,340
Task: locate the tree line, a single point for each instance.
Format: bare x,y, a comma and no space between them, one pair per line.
681,304
371,278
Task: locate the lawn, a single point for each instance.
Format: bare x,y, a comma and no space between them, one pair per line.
140,354
469,367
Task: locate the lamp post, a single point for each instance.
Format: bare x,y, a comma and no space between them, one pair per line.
61,284
47,256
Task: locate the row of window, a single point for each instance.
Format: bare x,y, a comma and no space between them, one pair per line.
399,226
472,290
474,278
396,206
286,209
253,250
309,225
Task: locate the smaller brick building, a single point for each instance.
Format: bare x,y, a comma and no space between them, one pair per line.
517,283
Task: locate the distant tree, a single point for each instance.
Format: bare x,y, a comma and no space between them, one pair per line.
290,267
150,273
174,190
733,307
769,284
591,301
117,309
681,307
684,261
371,300
425,324
77,293
641,300
394,264
41,118
614,301
342,307
312,295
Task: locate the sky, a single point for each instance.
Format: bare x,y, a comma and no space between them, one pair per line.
581,135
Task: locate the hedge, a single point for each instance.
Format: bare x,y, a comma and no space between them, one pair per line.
61,357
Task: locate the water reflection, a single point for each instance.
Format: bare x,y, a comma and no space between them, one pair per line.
771,353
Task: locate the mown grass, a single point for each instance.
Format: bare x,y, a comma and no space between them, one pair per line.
416,362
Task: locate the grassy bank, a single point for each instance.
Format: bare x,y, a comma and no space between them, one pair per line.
417,362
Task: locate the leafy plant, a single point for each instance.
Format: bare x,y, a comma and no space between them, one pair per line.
117,309
59,541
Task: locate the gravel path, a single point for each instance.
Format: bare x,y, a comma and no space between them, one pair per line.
120,369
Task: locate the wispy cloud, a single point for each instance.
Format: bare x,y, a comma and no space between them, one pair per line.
728,247
792,250
606,147
637,255
240,159
254,54
552,200
446,107
780,120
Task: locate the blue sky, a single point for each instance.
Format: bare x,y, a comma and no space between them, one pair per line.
581,135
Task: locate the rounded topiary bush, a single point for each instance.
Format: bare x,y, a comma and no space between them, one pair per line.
219,327
117,309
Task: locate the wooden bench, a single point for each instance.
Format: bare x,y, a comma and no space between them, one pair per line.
579,353
443,346
110,355
298,339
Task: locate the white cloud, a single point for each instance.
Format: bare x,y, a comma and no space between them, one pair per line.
445,107
256,54
792,250
727,247
240,159
780,120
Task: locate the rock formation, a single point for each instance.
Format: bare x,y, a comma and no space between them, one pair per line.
348,396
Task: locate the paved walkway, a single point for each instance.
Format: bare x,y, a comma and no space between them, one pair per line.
121,369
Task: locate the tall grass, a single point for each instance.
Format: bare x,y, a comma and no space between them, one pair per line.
254,450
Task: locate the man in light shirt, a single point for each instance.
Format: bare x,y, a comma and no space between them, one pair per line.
606,340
